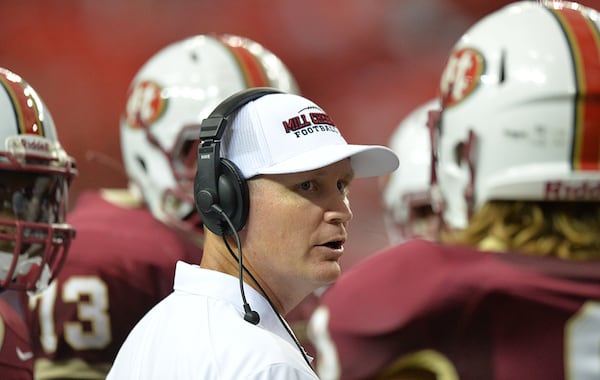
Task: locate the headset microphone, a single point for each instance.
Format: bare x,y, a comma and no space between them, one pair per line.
250,315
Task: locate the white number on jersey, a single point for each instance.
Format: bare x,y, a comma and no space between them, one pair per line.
91,295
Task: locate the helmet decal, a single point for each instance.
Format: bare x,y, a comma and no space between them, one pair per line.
145,104
251,68
26,105
584,43
461,75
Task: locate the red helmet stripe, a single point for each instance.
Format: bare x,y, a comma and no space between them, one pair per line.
251,68
584,40
24,105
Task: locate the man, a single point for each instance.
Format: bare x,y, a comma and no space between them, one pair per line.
130,240
35,173
272,189
513,291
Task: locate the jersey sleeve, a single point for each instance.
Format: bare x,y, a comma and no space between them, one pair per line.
16,356
480,315
120,265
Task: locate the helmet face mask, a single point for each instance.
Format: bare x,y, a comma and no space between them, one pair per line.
168,99
520,112
184,154
36,173
31,254
407,197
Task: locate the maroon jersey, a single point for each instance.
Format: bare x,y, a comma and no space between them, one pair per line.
489,315
16,357
121,263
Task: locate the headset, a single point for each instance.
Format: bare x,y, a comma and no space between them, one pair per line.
219,185
221,192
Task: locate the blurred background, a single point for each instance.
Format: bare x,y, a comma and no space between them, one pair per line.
366,62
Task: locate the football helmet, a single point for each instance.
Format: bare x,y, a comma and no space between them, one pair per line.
406,195
520,110
168,98
36,173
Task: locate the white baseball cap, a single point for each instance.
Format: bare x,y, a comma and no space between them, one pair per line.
287,133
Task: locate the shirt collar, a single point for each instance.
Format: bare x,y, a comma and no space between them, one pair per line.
191,278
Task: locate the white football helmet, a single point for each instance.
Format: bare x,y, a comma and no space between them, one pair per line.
520,117
36,173
406,195
168,99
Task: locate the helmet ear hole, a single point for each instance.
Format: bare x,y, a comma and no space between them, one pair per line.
141,163
502,71
459,153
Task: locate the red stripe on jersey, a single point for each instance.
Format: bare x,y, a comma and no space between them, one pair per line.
25,106
583,37
251,68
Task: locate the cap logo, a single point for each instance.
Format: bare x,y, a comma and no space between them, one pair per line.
305,124
461,75
145,104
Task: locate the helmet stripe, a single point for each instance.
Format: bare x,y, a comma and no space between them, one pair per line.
25,105
251,67
584,41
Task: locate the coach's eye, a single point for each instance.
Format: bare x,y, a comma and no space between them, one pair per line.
307,186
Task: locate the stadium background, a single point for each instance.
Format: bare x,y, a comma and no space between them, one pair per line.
366,62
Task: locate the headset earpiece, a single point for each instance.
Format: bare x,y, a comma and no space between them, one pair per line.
218,183
233,196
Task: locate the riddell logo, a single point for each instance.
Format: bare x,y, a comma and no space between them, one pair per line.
35,145
584,191
315,122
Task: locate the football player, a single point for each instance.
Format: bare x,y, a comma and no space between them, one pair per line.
513,291
409,211
130,240
35,173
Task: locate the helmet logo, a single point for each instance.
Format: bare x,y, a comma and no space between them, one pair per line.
460,76
145,104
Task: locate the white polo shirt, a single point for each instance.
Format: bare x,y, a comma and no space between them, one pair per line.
199,332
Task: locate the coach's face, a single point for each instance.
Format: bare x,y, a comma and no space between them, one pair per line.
297,226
